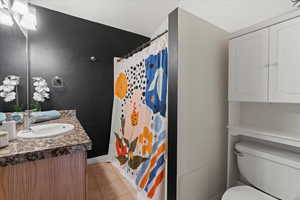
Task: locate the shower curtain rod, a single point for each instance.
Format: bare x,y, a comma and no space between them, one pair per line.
143,46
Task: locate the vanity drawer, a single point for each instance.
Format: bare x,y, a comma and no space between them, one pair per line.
58,178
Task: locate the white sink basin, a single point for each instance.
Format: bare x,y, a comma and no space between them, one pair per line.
47,130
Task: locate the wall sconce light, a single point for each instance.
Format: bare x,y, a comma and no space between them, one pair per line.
4,4
93,59
18,11
28,21
20,6
5,18
296,2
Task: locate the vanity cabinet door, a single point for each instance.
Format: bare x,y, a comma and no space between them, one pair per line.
248,67
285,62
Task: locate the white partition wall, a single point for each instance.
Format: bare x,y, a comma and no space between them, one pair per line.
202,108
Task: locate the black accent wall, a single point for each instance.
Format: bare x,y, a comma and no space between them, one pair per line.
62,46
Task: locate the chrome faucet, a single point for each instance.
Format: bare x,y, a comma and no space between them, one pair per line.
28,120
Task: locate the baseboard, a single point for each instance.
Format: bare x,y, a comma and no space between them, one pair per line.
99,159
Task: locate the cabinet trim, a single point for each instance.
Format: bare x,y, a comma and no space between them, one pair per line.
267,23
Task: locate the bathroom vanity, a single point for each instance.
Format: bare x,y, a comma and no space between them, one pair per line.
52,168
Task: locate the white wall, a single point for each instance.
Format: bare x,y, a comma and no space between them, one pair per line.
202,108
281,118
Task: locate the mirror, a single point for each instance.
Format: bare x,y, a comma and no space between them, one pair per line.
16,19
13,72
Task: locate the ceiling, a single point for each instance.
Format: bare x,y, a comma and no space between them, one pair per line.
233,15
138,16
145,16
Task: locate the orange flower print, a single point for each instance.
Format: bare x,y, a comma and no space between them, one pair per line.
121,86
146,140
134,116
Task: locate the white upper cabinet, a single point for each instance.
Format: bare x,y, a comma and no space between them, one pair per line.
264,66
285,62
248,67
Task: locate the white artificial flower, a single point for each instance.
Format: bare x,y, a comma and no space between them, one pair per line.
36,84
2,94
36,78
12,77
10,97
6,81
8,88
41,89
14,80
43,82
46,95
38,97
38,89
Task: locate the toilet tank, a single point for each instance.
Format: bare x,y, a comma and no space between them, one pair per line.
274,171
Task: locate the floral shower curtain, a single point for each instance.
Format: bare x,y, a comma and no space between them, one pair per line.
139,121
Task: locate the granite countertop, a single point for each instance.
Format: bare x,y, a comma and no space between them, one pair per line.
25,150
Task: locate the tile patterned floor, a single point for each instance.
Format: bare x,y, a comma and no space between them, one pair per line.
106,183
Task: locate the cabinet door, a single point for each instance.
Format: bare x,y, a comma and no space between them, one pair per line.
285,62
248,67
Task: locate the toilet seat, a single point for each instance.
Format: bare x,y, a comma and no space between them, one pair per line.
245,193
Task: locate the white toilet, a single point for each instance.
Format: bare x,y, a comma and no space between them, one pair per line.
272,173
